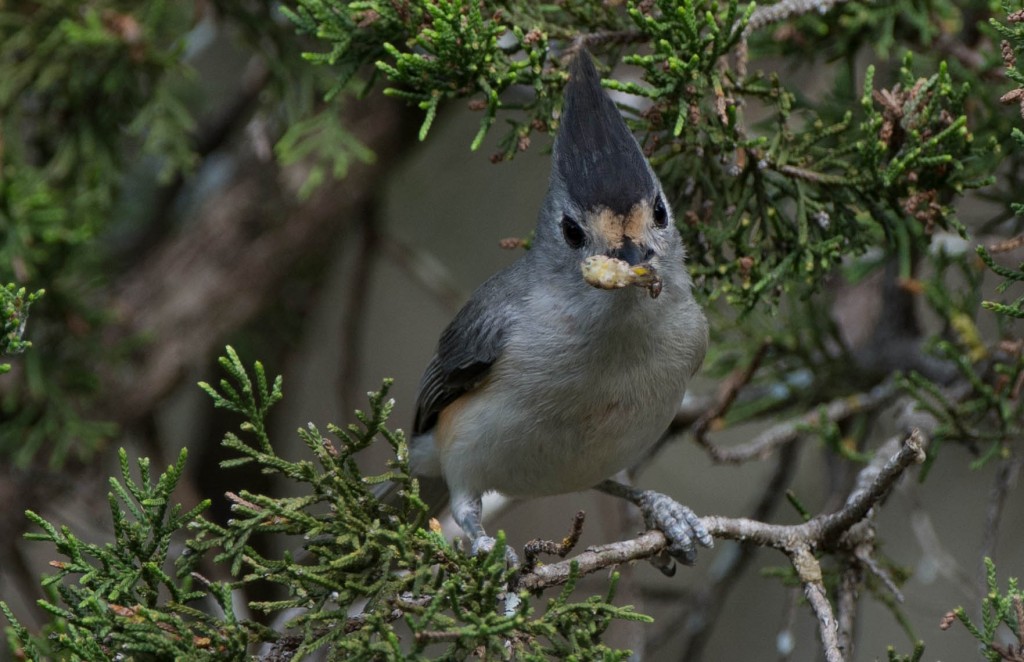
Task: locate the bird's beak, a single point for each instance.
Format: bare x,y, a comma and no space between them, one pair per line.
631,253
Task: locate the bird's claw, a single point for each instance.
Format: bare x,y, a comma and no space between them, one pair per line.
484,546
680,525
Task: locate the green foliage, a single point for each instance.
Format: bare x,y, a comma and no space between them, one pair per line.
989,418
765,211
14,306
100,111
1014,308
31,417
1011,30
438,51
357,548
74,79
418,595
884,28
133,596
325,142
915,656
998,608
56,61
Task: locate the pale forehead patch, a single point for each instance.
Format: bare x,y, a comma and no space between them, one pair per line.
614,227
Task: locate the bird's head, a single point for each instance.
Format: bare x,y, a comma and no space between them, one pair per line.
603,199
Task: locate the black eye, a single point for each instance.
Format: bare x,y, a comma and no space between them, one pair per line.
572,232
660,213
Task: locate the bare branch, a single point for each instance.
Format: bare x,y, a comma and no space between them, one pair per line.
819,533
878,485
536,547
814,591
727,392
646,545
863,555
1007,245
783,433
1005,481
846,606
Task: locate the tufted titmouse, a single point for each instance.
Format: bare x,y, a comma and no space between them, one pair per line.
544,384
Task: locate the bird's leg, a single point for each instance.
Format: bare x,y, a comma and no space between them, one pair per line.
467,510
680,525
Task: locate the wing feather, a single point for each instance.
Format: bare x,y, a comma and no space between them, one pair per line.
468,348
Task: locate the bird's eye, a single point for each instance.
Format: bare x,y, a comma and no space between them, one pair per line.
572,232
660,212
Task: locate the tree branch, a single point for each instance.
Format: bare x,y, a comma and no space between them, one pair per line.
820,533
710,601
828,628
232,260
778,435
873,484
1005,481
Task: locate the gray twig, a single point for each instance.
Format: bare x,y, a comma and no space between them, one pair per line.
828,628
778,435
821,532
536,547
1005,481
729,566
846,605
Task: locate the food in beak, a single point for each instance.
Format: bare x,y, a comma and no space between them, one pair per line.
609,273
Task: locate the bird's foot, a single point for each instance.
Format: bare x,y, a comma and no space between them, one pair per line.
484,546
680,525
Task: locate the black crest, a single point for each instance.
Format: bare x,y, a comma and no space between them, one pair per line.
595,154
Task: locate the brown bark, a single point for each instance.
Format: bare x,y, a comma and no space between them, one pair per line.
229,263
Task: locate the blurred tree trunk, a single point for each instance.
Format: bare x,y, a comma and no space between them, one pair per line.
196,287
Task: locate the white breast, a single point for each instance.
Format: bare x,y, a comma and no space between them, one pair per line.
579,395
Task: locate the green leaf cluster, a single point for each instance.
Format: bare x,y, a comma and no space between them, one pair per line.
1013,276
84,88
104,118
998,608
134,596
14,306
989,418
765,209
914,656
360,577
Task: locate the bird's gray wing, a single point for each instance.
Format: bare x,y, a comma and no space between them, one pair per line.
467,349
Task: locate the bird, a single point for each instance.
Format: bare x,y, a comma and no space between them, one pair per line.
546,384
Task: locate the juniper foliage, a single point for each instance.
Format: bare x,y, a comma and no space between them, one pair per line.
999,610
417,595
784,191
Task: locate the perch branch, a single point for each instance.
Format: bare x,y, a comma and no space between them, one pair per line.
536,547
821,532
